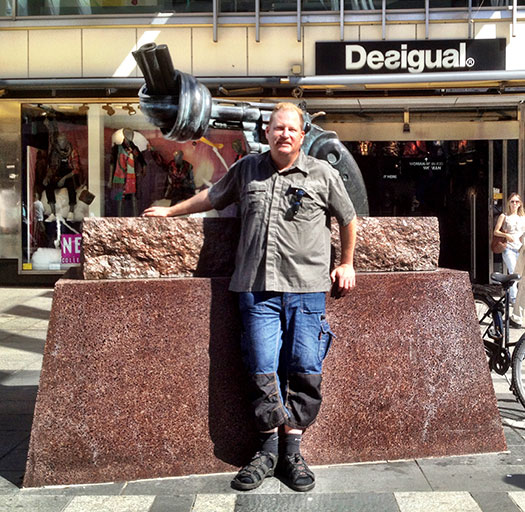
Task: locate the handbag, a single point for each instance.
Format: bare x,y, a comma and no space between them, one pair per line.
498,244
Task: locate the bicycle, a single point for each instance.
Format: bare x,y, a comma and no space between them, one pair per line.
494,320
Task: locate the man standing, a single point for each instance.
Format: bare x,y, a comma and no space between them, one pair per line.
281,275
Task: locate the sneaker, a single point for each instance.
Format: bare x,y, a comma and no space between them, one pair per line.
514,324
296,473
51,218
252,475
70,216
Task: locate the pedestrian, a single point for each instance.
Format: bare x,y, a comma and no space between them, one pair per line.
281,276
511,226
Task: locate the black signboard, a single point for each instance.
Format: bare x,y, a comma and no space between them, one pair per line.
426,56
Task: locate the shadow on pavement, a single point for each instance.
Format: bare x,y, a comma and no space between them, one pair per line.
17,404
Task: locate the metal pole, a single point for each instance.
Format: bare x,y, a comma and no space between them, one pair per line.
504,170
257,21
521,149
470,20
215,18
473,265
383,19
427,19
491,207
299,20
514,16
342,20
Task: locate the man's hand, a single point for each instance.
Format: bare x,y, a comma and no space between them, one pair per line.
157,211
343,277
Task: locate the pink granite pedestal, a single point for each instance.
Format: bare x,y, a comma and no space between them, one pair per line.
143,378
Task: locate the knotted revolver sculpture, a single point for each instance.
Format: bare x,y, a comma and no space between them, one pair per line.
183,109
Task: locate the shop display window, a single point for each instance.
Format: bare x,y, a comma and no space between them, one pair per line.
97,7
104,159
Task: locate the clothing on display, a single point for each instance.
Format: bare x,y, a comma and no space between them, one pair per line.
126,161
180,181
63,167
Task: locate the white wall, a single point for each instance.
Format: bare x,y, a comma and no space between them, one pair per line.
106,51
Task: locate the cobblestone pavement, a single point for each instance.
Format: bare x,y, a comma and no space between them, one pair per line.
488,483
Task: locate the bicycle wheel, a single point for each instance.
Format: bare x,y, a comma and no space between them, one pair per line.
518,369
490,321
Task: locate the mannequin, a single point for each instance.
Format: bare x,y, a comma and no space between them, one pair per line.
123,178
180,182
61,171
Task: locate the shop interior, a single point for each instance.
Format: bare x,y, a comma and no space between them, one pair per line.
105,160
444,179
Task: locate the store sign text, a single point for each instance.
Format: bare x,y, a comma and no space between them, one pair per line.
70,248
415,61
427,56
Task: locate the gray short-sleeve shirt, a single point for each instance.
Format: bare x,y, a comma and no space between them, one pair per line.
285,238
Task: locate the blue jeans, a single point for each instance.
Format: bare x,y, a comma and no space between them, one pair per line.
510,258
284,342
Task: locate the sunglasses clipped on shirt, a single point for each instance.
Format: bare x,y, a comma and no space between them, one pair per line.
297,197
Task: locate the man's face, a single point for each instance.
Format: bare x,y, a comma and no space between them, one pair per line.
285,134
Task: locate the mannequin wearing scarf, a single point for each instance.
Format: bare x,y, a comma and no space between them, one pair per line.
123,179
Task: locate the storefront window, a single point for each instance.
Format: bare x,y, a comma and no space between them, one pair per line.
6,8
122,167
87,7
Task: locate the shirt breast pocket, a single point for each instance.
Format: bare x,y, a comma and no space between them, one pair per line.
254,198
304,207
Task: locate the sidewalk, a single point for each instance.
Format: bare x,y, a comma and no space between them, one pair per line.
488,483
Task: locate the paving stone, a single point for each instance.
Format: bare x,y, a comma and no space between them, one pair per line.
383,477
21,378
15,460
495,502
19,503
209,484
110,504
518,498
308,502
436,502
6,486
13,477
512,436
214,503
17,400
26,341
514,456
108,489
475,478
28,312
173,504
9,440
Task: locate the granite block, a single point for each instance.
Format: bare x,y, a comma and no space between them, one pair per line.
143,378
124,248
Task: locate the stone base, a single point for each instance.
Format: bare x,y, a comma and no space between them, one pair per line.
143,379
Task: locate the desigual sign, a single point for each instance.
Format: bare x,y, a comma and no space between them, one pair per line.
337,58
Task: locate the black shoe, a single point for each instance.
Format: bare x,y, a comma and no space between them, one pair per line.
296,473
252,475
514,324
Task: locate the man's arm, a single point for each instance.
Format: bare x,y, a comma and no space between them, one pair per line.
343,275
195,204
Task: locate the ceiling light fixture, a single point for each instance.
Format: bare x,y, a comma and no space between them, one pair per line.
130,109
109,109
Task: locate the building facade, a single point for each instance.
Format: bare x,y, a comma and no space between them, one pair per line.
427,96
